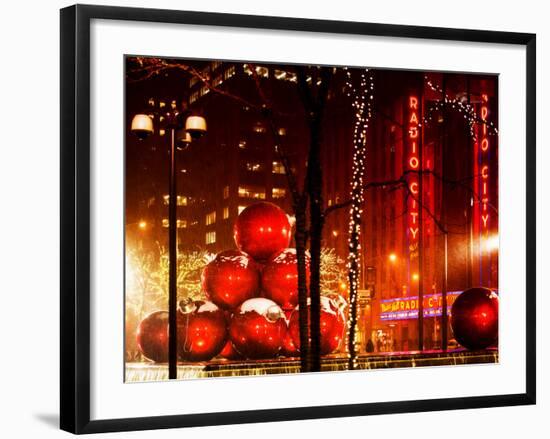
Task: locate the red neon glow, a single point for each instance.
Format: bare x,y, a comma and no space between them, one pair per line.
482,165
414,164
485,170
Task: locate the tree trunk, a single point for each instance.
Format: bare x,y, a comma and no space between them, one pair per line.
300,238
354,242
314,100
353,270
314,188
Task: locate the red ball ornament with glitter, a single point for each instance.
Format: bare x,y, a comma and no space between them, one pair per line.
152,336
202,330
333,324
474,318
231,278
261,230
258,328
280,279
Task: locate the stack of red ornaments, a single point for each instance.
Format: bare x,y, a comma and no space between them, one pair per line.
253,296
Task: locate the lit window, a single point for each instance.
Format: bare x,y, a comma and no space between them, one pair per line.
193,81
240,209
280,74
182,200
292,77
278,168
281,131
181,224
247,69
210,218
229,72
217,80
259,128
215,64
242,144
226,192
225,212
204,90
193,97
262,71
329,202
278,192
252,192
210,237
253,166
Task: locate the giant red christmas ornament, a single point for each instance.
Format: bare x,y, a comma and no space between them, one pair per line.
229,352
258,328
289,349
332,322
280,278
230,278
202,331
152,336
261,230
474,318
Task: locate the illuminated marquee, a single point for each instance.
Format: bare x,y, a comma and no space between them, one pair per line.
407,307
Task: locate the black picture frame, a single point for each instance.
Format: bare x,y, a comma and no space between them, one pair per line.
75,217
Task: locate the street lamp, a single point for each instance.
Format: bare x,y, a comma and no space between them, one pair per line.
183,139
180,134
142,126
195,126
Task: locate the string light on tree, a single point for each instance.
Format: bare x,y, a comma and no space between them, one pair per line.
362,98
459,105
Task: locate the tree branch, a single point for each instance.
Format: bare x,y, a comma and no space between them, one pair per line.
158,65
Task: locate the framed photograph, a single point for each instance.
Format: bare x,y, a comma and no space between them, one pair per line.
272,218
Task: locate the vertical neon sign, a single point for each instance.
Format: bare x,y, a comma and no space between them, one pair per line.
484,171
413,164
483,184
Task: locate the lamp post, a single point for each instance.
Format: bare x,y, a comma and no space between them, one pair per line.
193,128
